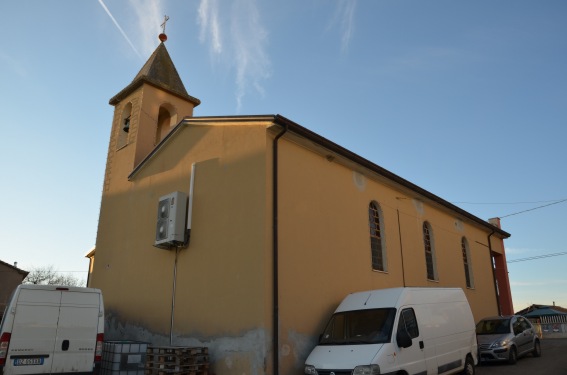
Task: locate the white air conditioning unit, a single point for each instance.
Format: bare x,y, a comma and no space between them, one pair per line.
172,213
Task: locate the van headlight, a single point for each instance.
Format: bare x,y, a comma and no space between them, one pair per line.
366,370
310,370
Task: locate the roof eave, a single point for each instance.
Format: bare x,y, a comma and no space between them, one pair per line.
140,81
331,146
339,150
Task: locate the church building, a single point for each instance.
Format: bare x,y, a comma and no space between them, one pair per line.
243,233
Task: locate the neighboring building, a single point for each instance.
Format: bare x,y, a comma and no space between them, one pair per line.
283,224
90,255
10,278
545,313
549,321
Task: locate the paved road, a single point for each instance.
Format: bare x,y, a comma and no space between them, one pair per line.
553,361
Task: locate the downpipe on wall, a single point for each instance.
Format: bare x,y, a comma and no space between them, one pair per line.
276,318
173,297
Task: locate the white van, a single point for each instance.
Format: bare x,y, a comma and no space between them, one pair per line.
52,329
398,331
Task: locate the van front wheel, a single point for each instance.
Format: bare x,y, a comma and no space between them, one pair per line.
469,366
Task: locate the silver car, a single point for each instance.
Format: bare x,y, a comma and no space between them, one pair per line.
506,338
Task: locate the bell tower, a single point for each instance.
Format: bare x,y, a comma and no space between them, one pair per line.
145,111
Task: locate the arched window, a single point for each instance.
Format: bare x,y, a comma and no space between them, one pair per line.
124,126
163,124
377,243
167,118
467,262
429,246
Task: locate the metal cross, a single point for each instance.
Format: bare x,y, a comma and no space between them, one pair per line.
165,18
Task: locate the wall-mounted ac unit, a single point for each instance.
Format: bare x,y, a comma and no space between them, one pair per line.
172,213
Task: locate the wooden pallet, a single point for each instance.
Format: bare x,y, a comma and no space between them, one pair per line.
168,360
176,350
159,359
177,366
160,372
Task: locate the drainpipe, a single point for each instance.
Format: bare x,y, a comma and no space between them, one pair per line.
494,274
401,249
173,297
276,317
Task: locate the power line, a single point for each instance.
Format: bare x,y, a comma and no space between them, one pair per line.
536,257
510,203
535,208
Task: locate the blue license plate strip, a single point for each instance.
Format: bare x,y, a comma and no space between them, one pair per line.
28,361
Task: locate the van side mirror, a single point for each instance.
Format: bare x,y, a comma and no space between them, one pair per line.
403,338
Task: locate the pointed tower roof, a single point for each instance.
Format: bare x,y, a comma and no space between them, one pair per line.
160,72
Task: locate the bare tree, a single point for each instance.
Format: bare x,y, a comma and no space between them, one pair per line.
49,276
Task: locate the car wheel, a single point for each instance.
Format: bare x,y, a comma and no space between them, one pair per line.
513,356
537,349
469,366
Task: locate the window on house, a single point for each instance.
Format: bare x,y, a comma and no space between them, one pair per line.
377,245
467,262
429,252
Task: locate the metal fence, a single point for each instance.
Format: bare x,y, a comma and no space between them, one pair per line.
552,330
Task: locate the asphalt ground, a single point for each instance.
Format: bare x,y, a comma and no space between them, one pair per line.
553,361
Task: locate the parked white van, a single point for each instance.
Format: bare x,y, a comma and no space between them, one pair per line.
52,329
398,331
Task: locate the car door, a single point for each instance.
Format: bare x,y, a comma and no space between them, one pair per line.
524,338
412,358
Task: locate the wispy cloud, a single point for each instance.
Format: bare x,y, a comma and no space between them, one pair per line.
344,20
149,17
210,27
544,283
16,66
517,251
103,5
246,42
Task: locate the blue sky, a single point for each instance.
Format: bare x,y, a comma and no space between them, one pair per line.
465,99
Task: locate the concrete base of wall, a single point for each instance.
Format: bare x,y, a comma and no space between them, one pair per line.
247,353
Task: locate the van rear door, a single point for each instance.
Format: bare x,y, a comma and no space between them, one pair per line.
76,332
54,331
34,331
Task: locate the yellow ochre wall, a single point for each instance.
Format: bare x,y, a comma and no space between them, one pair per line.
220,286
224,277
324,247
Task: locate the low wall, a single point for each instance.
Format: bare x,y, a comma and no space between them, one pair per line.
551,330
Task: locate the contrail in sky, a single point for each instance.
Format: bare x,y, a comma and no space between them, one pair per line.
119,28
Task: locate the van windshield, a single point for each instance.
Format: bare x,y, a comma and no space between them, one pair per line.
373,326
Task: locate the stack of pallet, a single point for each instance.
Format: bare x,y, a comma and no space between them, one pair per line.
174,360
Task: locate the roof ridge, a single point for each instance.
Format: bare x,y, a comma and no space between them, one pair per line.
158,71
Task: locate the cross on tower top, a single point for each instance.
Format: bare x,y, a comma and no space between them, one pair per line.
165,19
162,37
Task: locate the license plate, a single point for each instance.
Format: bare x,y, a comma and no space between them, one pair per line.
28,361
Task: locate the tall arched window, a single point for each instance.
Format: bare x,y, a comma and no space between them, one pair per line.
429,246
163,125
124,126
467,262
377,243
